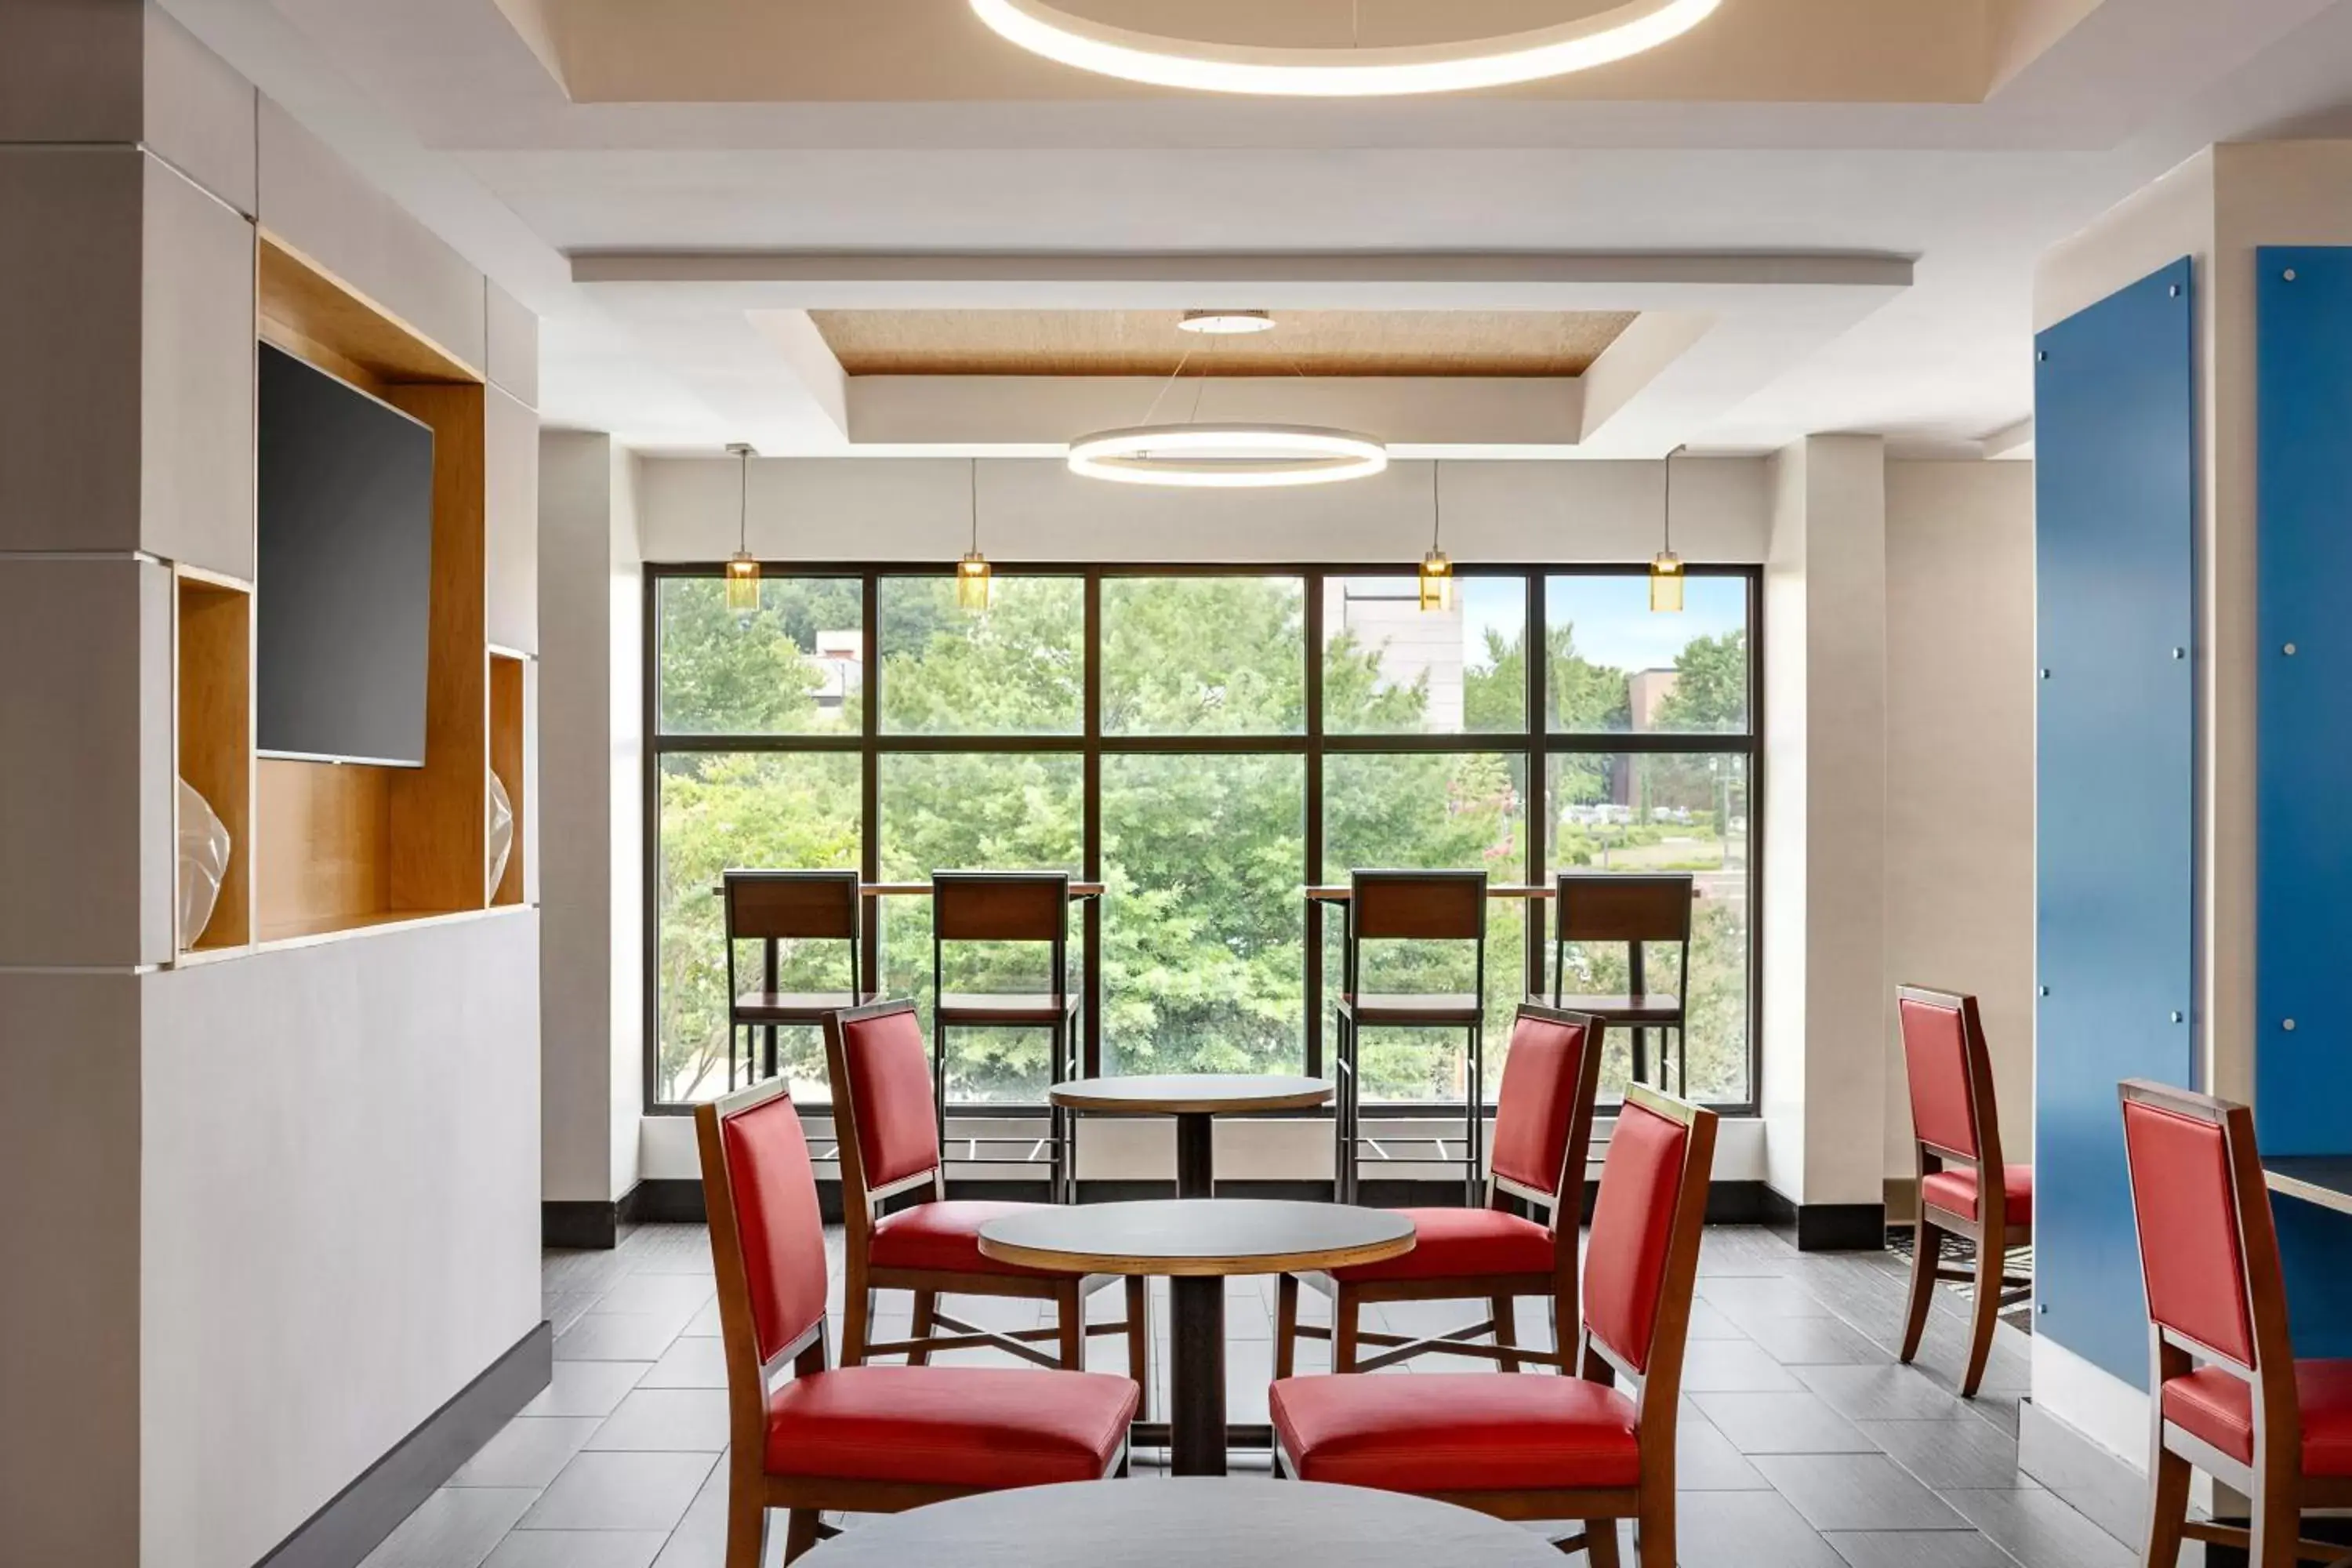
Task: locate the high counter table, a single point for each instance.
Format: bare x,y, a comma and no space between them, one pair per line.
1195,1100
1196,1243
2322,1179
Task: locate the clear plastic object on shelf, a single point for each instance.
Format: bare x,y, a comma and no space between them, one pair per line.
501,835
204,863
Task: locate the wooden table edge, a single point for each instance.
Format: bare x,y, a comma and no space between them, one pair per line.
1297,1099
1318,1259
2295,1186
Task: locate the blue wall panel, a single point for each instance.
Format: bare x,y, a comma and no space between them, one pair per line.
2303,1077
2114,487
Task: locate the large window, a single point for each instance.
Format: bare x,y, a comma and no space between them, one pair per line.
1203,743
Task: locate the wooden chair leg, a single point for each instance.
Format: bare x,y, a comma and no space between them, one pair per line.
747,1523
1600,1543
1506,1332
1138,1334
1990,1256
1344,1311
800,1534
2278,1520
857,1318
1927,1248
1653,1532
1070,1316
1286,1325
927,1306
2168,1506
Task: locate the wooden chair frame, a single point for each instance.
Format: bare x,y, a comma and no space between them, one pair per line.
752,1491
1996,1287
862,1206
1563,1209
1567,889
2275,1481
1650,1503
731,884
1353,1017
1063,1033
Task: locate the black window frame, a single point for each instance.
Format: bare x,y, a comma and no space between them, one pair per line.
1537,742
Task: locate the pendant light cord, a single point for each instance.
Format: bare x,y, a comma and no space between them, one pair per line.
1182,360
975,504
743,501
1436,505
1668,519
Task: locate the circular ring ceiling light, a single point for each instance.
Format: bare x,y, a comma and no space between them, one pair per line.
1226,323
1202,67
1228,457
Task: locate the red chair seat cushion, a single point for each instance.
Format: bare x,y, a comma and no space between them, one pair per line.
2218,1406
1956,1191
1452,1244
949,1425
1456,1432
942,1237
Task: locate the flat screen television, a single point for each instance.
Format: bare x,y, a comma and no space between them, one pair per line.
343,587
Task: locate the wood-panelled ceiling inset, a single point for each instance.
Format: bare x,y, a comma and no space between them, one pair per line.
1147,342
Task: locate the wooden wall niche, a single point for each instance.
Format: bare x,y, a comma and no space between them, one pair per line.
506,750
215,744
346,845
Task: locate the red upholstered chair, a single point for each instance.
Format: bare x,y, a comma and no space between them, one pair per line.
861,1439
2232,1400
1543,1131
884,1115
1548,1447
1956,1137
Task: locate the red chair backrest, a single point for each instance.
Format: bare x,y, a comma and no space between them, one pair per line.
765,1182
889,1090
1535,1110
1632,1231
2196,1232
1939,1032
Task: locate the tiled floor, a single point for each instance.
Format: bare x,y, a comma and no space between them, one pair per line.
1803,1444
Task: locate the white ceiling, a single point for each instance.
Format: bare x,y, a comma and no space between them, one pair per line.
1142,202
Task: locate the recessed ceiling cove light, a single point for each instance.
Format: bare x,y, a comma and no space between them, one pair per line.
1226,323
1228,457
1342,72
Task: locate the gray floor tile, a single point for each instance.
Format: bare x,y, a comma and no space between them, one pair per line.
2039,1530
621,1491
1705,1460
1891,1392
526,1452
689,1362
1817,1342
1919,1549
1707,1323
587,1387
665,1420
1964,1452
618,1336
1734,1366
706,1322
1747,1530
578,1548
1856,1491
1782,1424
685,1294
452,1528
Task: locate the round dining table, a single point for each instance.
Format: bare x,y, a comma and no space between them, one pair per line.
1196,1243
1195,1523
1196,1099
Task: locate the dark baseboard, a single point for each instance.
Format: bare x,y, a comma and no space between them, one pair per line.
677,1201
355,1523
1825,1227
579,1223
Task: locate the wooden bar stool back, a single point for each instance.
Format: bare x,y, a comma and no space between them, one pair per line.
1543,1135
1956,1137
2232,1399
1414,907
927,1243
773,908
1630,910
1596,1446
1028,907
856,1439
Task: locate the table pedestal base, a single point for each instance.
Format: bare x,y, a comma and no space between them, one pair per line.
1196,1382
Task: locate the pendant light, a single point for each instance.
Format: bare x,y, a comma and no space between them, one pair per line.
971,582
742,567
1666,566
1436,571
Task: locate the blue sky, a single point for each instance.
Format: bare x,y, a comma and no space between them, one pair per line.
1614,624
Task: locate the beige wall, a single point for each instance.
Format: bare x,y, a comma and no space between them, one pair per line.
1959,765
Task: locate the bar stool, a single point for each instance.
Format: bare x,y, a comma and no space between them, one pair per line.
1031,907
1411,906
1634,909
773,907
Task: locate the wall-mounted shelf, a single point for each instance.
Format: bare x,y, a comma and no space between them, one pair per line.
507,721
213,646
